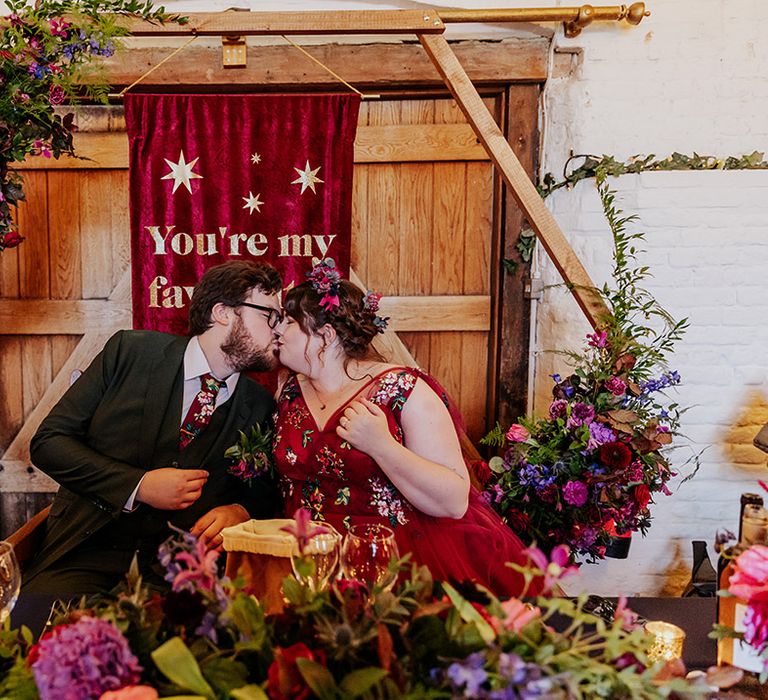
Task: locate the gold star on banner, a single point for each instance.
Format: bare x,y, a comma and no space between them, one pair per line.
252,202
181,173
307,178
255,159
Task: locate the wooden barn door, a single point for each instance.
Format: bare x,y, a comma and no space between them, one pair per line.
431,226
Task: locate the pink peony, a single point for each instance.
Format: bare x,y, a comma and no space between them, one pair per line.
750,577
517,433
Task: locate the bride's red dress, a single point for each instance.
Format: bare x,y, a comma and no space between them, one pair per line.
343,486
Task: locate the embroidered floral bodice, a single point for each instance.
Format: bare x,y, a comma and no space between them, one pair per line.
341,485
325,474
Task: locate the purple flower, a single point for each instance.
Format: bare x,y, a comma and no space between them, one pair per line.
557,409
468,675
599,434
84,660
616,386
581,414
575,493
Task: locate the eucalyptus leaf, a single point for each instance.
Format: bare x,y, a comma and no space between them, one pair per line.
176,662
318,678
249,692
361,681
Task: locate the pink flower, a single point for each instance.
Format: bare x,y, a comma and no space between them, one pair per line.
756,622
616,386
575,493
750,577
303,528
201,568
597,340
627,617
517,614
555,568
517,433
131,692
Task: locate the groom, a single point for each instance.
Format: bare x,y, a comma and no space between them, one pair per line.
138,440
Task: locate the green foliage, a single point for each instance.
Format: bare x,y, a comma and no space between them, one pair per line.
50,54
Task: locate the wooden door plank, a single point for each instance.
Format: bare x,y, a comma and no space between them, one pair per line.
64,224
543,223
11,407
96,235
34,272
36,370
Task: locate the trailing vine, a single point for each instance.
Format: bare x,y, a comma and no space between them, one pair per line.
607,166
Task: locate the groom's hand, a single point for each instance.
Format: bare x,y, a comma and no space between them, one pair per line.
169,488
208,528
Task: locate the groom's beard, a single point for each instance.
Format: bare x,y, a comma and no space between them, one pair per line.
243,353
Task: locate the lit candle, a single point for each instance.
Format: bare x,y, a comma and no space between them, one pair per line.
667,641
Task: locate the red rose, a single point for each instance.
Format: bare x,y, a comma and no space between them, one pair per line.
353,595
517,520
642,495
56,94
615,455
11,240
284,681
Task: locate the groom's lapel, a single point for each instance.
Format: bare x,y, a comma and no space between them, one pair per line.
160,399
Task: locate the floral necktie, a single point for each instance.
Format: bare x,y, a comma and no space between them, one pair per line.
201,410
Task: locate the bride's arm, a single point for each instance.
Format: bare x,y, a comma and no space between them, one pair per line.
429,469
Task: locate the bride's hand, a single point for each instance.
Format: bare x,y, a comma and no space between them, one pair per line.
364,426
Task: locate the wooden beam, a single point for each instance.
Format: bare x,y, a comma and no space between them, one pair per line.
374,144
78,317
62,317
541,220
438,313
290,23
373,66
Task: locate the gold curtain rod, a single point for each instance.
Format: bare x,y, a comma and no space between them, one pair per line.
574,18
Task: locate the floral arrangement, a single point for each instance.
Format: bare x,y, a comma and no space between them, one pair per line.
588,471
47,47
749,581
251,454
207,638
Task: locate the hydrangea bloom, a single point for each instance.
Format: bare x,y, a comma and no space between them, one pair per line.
83,660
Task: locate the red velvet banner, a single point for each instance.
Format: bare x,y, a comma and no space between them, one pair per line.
219,177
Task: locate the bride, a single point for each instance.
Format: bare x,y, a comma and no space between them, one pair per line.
360,441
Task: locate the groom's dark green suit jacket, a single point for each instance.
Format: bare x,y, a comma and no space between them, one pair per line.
120,419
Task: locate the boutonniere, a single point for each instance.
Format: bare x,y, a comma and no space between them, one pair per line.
251,454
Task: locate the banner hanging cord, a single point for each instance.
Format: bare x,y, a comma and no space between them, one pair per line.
122,92
328,70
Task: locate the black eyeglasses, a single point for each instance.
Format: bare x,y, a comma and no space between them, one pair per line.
274,316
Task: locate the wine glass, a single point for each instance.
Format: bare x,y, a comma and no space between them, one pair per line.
367,553
323,551
10,580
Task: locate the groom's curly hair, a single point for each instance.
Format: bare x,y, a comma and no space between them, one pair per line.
229,284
